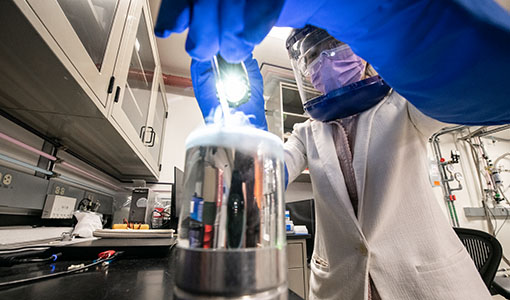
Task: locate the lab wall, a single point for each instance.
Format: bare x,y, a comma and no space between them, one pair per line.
470,195
504,3
184,116
19,191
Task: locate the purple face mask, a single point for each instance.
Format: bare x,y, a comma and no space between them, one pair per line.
335,68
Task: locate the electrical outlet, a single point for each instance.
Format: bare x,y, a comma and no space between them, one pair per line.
7,179
58,207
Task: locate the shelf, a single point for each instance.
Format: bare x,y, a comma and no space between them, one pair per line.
291,101
290,119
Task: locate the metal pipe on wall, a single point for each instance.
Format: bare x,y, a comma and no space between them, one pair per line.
24,164
447,191
90,175
52,158
26,147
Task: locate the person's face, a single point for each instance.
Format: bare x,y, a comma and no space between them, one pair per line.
334,68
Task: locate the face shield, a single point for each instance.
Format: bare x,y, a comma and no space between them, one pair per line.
321,64
329,76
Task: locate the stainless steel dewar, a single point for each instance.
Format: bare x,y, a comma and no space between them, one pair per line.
232,222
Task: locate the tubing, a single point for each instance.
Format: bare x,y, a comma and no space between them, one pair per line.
48,156
83,172
26,147
445,185
24,164
84,185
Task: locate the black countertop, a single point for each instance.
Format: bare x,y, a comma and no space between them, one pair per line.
125,278
293,236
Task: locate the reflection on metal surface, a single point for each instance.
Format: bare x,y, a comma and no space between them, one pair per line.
232,236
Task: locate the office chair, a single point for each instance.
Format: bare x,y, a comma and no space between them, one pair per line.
484,249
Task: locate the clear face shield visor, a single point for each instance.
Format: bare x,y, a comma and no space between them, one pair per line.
322,64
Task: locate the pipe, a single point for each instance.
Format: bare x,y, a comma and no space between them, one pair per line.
177,81
482,131
92,188
48,156
26,147
83,172
496,162
24,164
445,185
170,80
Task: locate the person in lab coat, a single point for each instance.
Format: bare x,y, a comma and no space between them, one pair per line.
380,233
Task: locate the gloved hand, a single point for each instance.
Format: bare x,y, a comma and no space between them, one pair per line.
229,27
204,86
437,54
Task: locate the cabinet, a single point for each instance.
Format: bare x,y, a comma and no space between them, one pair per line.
139,107
87,74
89,33
283,104
297,272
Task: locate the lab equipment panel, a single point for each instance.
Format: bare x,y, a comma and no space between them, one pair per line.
58,207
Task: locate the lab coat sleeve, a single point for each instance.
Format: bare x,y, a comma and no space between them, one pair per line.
423,123
295,152
450,58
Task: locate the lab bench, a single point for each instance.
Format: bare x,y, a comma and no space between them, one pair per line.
127,277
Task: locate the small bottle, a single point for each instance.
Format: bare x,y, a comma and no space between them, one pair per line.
157,215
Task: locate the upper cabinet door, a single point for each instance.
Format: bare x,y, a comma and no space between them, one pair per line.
89,32
157,123
136,81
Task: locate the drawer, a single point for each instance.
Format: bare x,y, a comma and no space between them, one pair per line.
295,255
296,279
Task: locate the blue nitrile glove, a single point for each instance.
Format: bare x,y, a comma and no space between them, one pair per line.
229,27
204,86
449,58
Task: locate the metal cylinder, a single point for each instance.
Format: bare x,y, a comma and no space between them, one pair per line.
232,220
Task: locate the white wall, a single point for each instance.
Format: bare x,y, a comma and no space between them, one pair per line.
470,195
504,3
183,117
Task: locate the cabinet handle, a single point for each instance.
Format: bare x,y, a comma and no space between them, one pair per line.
117,92
153,137
142,134
110,84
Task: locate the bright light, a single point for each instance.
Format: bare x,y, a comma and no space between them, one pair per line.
234,89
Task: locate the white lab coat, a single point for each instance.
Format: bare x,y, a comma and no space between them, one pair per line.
402,237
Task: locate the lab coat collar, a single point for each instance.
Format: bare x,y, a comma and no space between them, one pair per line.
331,167
327,152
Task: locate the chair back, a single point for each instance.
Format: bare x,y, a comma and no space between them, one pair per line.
484,249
